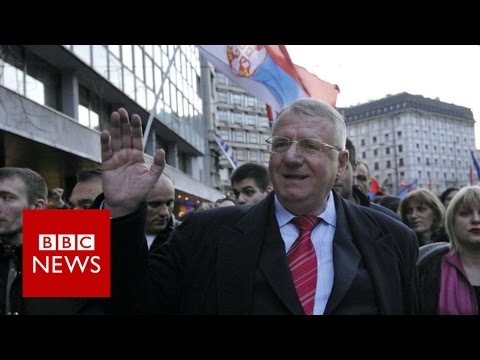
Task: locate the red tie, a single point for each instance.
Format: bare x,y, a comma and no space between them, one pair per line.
303,262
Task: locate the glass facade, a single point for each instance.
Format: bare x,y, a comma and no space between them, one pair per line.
139,70
29,76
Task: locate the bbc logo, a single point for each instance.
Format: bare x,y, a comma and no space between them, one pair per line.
66,253
68,242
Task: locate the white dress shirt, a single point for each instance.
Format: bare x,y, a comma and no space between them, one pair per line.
322,238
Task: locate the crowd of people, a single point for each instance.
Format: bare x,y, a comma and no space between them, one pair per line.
301,237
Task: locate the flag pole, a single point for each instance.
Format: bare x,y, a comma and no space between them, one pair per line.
159,93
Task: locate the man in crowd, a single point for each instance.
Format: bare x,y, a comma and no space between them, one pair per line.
160,218
250,183
22,188
87,188
344,184
362,179
248,259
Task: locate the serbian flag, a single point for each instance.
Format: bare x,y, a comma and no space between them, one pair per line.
267,72
227,151
409,188
374,188
475,163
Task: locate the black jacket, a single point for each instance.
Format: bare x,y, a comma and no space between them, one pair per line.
11,263
163,236
363,200
232,260
429,272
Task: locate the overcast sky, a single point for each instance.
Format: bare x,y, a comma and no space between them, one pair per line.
369,72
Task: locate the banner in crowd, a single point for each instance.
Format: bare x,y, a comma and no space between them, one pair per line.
475,163
227,151
409,188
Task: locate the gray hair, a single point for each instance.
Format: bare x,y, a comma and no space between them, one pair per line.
317,109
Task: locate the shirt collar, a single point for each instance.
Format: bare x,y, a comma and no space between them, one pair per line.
328,215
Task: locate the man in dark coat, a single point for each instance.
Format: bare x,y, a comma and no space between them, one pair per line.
236,260
160,218
22,188
345,185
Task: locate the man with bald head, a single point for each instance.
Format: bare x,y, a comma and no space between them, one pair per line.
160,218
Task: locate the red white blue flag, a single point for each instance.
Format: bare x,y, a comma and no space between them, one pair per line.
409,188
267,72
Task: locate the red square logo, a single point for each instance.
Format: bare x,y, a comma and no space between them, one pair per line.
66,253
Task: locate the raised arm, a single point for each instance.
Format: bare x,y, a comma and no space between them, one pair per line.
126,179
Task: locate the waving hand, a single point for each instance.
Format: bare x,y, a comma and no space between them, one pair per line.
126,178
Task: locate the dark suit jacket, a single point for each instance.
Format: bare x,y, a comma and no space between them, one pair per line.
232,260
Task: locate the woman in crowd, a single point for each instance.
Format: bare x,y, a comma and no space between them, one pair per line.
449,274
424,213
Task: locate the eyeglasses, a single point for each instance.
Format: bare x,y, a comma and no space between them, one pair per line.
306,146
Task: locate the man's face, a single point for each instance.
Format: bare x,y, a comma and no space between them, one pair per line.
302,182
362,180
160,203
344,182
247,192
13,199
84,193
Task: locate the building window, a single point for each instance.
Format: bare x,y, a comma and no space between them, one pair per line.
225,134
222,97
389,164
399,133
237,99
127,56
400,162
221,79
28,75
252,120
240,154
240,136
375,166
253,137
100,60
400,148
237,118
251,101
362,142
92,111
223,116
387,150
83,52
375,152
